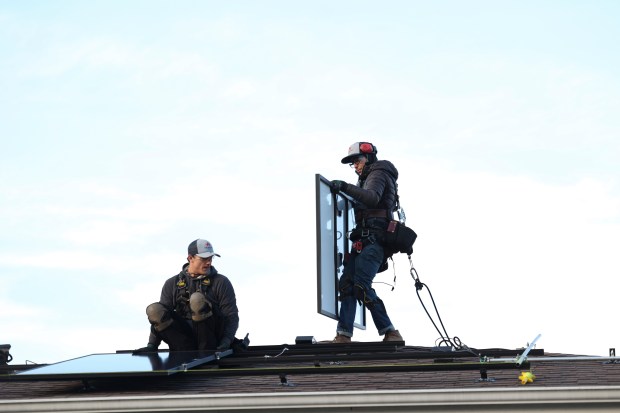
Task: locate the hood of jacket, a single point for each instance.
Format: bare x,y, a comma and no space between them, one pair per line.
381,165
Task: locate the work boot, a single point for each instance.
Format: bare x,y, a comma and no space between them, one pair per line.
393,335
201,308
340,339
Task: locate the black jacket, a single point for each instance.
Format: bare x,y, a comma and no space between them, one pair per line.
376,187
216,287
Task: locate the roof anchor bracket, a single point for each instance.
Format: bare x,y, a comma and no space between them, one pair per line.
612,353
484,376
284,381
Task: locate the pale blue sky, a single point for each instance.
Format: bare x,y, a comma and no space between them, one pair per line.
130,128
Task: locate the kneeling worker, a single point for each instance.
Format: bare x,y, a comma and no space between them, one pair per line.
197,309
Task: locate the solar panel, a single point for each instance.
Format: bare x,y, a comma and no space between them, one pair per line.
334,218
120,365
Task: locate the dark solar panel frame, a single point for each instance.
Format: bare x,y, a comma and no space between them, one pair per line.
106,365
337,211
357,357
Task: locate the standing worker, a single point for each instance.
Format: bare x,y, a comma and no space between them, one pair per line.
375,200
197,309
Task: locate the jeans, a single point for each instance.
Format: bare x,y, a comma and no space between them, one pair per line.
359,272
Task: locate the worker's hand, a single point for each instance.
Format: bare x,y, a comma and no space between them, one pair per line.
150,348
338,186
239,346
224,344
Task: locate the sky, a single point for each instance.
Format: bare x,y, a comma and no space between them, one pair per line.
130,128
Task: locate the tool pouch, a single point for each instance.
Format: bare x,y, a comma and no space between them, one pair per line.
399,238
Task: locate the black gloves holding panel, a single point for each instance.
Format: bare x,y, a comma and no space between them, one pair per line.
150,348
338,186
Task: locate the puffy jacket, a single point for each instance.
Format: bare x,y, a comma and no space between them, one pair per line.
376,187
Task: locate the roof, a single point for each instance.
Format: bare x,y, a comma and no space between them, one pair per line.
339,376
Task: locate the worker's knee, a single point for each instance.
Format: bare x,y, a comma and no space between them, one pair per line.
158,316
360,293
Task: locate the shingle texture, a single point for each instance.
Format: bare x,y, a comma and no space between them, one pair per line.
319,368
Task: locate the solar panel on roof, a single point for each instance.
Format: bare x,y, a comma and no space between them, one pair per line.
121,365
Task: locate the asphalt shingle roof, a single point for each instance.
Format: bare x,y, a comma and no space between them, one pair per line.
329,368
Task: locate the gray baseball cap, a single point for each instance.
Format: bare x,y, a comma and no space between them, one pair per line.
202,248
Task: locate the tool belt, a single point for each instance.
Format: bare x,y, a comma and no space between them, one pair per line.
372,213
371,226
363,235
396,237
361,239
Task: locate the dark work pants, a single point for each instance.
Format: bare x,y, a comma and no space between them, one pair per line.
184,335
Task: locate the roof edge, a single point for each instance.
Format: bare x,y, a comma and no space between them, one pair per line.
384,400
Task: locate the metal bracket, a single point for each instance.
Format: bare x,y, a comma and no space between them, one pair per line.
284,381
484,376
523,356
612,353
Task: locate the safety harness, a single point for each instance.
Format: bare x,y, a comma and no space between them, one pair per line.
182,290
370,229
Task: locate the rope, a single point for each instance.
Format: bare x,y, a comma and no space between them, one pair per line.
444,337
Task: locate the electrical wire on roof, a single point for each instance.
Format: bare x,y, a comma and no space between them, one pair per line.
277,355
444,338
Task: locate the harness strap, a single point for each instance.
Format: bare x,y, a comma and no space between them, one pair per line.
181,288
368,237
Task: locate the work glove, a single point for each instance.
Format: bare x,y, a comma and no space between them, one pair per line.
239,346
150,348
224,344
338,186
